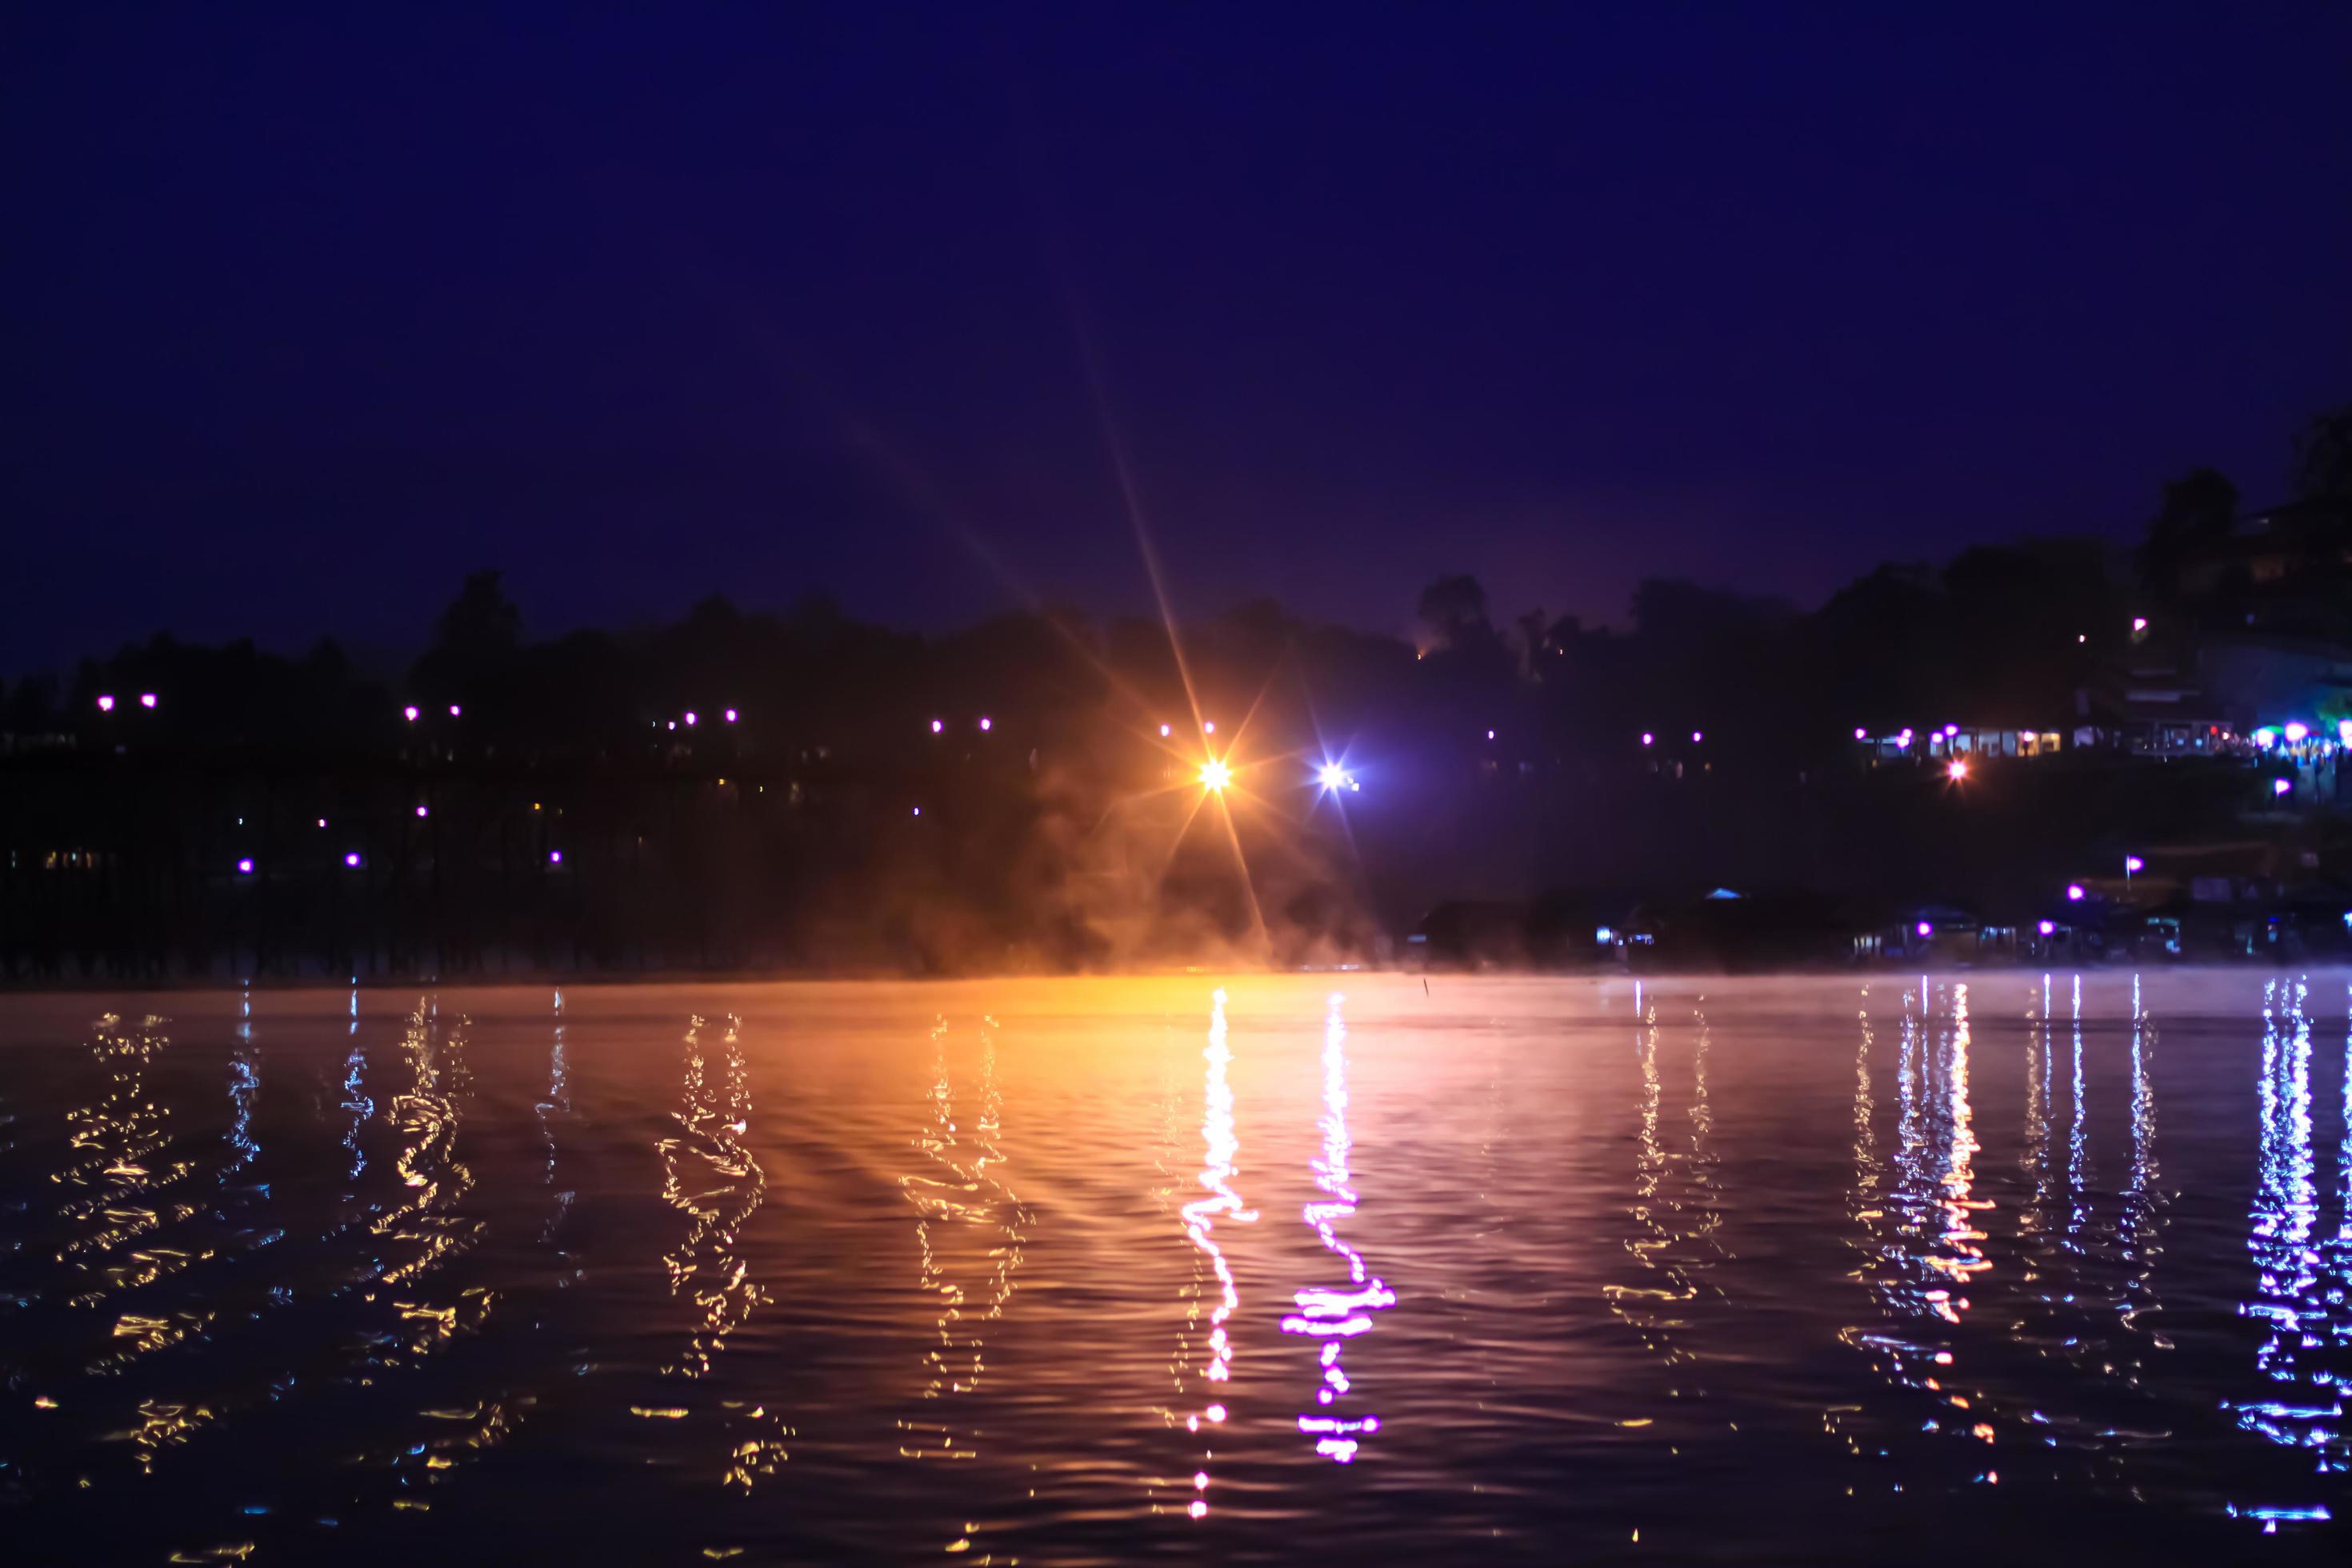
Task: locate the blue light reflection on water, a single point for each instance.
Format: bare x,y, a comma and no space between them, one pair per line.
1333,1314
2299,1309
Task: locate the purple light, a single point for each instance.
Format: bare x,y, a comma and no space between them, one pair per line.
555,857
409,712
106,704
1490,734
420,811
2049,928
2074,893
987,724
1647,738
323,821
1697,737
938,726
1951,729
918,811
730,715
245,867
1860,733
2133,863
1335,1314
352,859
692,718
1926,928
455,711
146,699
2281,787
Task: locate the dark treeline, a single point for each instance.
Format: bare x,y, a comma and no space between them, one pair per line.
744,789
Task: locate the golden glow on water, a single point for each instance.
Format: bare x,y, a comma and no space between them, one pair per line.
428,1229
120,1142
711,1177
964,1209
1674,1211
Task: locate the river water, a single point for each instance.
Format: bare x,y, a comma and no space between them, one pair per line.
1336,1267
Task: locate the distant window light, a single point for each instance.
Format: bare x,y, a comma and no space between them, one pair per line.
1605,935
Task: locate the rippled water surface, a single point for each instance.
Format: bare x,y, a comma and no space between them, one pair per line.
1101,1270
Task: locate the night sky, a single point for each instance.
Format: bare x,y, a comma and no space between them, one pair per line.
307,315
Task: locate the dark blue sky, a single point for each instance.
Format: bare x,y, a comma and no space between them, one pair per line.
309,313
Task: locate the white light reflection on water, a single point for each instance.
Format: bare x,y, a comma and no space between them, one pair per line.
355,1095
2305,1402
2143,1205
558,1103
244,1083
1335,1314
1218,1148
2077,1156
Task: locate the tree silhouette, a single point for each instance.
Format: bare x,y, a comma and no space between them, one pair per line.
2323,456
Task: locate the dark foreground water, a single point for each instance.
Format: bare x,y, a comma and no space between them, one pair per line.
1086,1271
